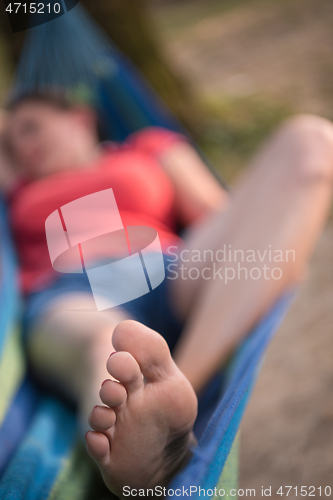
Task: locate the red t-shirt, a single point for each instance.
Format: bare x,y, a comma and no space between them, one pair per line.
143,192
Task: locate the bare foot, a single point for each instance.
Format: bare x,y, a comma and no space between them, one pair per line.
144,434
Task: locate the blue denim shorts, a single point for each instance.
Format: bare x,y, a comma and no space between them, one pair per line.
154,309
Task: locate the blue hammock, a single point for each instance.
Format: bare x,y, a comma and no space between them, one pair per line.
41,455
72,53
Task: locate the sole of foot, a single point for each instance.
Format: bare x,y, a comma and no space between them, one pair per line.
143,435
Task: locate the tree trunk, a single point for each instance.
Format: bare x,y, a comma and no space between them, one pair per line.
128,24
12,42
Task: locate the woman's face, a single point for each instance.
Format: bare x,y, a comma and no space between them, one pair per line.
46,140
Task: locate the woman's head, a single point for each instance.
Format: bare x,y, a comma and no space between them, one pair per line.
47,134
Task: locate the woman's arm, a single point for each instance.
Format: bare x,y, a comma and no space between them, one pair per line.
197,190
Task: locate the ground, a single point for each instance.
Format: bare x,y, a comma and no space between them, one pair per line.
254,62
287,432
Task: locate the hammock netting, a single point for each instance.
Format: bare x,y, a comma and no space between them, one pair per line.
71,53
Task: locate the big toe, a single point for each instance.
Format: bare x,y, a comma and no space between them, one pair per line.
148,348
123,367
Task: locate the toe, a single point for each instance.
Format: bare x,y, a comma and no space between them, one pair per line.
102,418
123,367
98,447
148,348
112,394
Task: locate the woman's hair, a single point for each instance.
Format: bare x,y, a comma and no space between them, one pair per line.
57,99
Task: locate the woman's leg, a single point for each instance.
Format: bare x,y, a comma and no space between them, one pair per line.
143,433
283,202
69,346
281,205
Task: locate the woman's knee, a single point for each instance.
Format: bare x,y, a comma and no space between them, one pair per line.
309,141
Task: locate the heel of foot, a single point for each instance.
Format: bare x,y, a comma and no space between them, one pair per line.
177,455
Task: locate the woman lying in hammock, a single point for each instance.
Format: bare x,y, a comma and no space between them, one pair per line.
142,432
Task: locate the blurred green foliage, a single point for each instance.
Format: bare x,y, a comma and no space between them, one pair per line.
174,18
235,128
5,72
